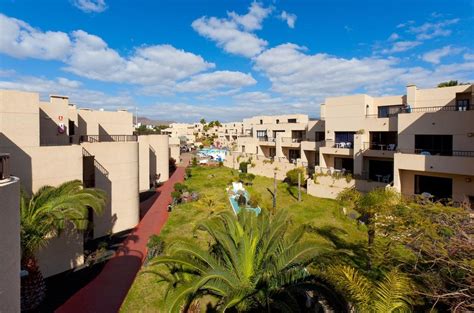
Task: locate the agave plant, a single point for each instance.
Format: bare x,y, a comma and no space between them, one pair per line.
389,295
253,263
42,217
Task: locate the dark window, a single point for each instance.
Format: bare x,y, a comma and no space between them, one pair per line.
345,137
278,121
380,169
272,152
383,140
261,134
434,144
294,154
438,187
261,121
243,148
275,132
71,128
389,110
462,105
292,120
319,136
344,163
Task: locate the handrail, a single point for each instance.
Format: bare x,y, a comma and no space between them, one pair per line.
108,138
99,166
4,166
438,152
380,146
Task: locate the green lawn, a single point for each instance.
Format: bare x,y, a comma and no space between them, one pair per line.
146,293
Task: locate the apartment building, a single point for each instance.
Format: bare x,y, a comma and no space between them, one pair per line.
53,142
10,254
185,132
420,142
229,132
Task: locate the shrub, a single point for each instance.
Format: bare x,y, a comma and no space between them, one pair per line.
243,167
255,199
188,172
221,164
176,195
292,176
179,187
195,162
348,177
155,247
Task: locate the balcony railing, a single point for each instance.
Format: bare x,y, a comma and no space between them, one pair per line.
456,153
430,109
4,166
291,140
266,139
380,146
108,138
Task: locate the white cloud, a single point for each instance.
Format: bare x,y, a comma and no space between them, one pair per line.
468,56
289,18
436,55
408,23
216,80
88,6
234,33
431,30
295,73
393,37
401,46
20,40
160,64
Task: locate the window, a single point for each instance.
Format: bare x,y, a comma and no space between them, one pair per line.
383,140
243,148
345,137
294,154
261,122
344,163
379,169
434,144
262,134
71,128
278,121
272,152
438,187
389,110
292,120
319,136
462,105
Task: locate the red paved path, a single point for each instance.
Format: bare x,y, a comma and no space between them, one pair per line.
108,290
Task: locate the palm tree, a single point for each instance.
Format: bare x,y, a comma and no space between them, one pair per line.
42,217
368,205
391,294
254,263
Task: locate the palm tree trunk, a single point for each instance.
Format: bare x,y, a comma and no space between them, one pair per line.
370,240
33,288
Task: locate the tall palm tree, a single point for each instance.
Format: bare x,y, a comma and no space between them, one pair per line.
368,205
389,295
42,217
254,263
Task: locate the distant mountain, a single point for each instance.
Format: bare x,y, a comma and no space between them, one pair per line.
147,121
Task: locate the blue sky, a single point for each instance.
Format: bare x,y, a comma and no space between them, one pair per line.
183,60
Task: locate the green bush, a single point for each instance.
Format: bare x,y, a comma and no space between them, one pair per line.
194,162
179,187
176,195
292,176
155,247
188,172
255,199
243,167
221,164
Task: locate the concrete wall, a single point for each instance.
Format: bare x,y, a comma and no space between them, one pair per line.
120,160
104,122
10,254
154,159
174,150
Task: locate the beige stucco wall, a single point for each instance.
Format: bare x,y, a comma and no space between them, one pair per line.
19,119
154,158
52,115
120,160
174,150
10,254
104,122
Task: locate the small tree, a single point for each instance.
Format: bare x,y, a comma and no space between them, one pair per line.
243,167
448,84
194,162
202,121
292,175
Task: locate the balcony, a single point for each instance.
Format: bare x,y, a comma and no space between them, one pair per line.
337,148
457,162
310,145
4,166
108,138
266,141
375,149
291,142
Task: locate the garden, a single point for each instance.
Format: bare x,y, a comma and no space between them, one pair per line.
366,253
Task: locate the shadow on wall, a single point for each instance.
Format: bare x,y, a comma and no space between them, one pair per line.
104,223
20,162
50,133
104,135
152,172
